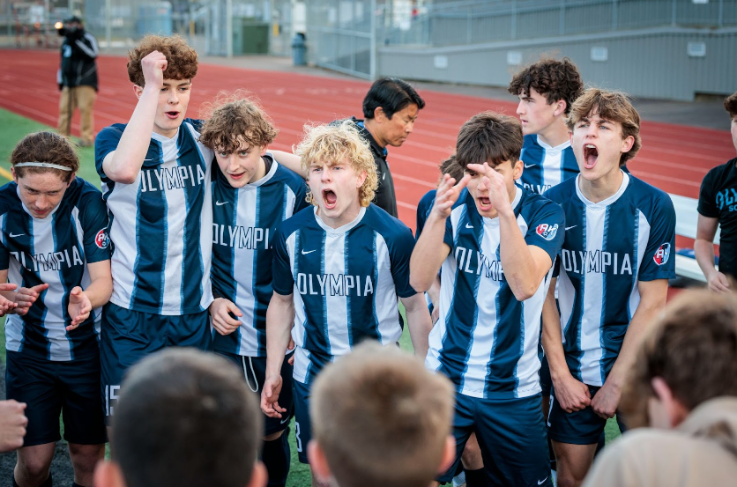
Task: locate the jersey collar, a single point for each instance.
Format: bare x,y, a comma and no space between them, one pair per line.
343,229
608,201
550,148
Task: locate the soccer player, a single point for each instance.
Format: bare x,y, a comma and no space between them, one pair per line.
390,109
380,418
614,269
54,247
185,419
717,208
253,194
546,90
338,269
496,243
156,176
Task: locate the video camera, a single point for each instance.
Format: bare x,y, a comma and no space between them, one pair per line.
71,32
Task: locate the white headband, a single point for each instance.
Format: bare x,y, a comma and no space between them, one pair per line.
43,164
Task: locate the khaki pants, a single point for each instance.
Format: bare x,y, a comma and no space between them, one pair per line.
82,97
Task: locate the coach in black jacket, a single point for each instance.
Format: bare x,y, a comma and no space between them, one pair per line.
77,78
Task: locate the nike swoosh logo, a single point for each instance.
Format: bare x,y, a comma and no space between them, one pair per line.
284,420
528,166
17,235
568,228
540,482
221,203
468,225
308,252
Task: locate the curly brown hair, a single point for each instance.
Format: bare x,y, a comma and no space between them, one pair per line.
693,348
611,105
553,79
180,58
334,143
489,137
232,120
730,104
45,147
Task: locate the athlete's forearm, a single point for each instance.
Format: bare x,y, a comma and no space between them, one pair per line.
704,252
124,164
419,323
279,320
428,255
520,270
290,161
553,337
101,283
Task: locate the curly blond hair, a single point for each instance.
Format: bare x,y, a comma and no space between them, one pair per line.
181,60
235,119
334,143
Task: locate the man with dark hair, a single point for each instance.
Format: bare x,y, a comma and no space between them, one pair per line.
690,406
717,209
496,243
390,110
185,418
77,79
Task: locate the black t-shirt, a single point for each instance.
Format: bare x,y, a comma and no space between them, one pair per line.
718,199
385,198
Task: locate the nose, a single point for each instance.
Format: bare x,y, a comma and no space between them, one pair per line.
232,163
42,202
409,127
520,108
173,97
326,174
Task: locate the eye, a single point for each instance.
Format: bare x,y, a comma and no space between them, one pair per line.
582,124
243,153
223,154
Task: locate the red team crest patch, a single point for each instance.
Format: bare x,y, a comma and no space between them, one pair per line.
662,254
101,239
547,231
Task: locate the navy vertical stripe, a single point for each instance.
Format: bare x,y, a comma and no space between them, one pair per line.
360,243
533,156
315,306
569,166
223,262
573,329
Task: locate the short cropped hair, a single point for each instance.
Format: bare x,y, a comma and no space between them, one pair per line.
730,104
450,166
181,60
333,144
489,137
381,418
186,418
45,147
693,348
235,119
553,79
610,105
392,95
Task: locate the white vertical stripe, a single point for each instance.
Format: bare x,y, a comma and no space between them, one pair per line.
336,307
123,203
593,289
385,295
86,280
243,269
643,235
551,167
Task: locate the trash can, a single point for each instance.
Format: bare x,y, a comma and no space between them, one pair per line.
299,49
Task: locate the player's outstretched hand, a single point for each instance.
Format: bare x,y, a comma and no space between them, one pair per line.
220,311
606,400
572,394
7,304
12,425
153,66
79,307
447,194
270,397
718,282
26,296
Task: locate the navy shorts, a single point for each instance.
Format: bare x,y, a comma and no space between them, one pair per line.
127,336
49,389
254,371
546,382
583,427
511,434
302,425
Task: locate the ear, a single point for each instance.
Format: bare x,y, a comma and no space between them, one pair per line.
108,474
627,144
449,454
318,462
361,178
71,180
675,411
517,169
15,176
264,148
138,91
259,477
380,115
560,108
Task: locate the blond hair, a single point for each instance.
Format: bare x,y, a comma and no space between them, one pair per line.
381,418
235,119
332,144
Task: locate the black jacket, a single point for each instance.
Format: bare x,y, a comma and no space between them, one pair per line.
78,53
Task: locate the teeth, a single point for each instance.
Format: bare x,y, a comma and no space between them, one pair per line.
590,146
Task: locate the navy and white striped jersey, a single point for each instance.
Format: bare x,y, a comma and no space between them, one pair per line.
53,250
345,282
486,341
609,246
161,225
244,223
423,210
546,166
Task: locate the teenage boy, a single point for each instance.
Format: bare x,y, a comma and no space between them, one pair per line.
390,109
362,401
156,177
253,194
546,91
614,269
338,270
717,208
54,247
496,243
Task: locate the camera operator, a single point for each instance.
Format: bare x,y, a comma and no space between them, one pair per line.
77,78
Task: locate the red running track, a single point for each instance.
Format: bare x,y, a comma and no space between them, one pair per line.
674,158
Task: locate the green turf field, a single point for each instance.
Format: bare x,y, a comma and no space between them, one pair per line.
16,127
